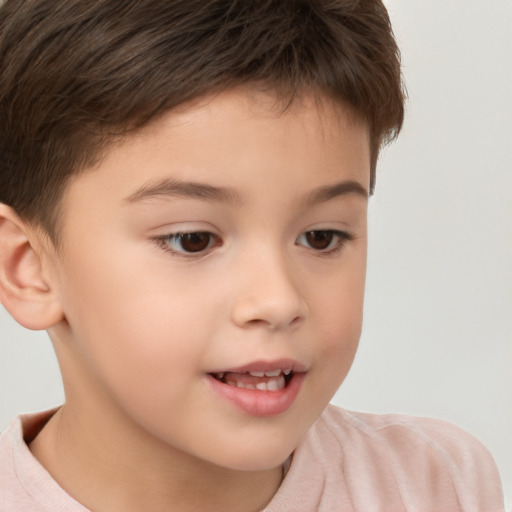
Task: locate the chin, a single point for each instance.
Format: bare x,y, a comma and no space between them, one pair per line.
259,457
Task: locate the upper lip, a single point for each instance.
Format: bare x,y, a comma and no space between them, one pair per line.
266,366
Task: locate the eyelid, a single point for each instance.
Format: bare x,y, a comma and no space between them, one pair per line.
342,236
163,242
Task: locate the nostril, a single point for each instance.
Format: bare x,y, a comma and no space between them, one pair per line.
296,321
256,322
274,325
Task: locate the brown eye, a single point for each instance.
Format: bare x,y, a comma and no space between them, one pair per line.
195,242
326,241
319,240
189,243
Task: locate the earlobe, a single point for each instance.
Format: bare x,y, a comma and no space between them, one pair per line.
24,289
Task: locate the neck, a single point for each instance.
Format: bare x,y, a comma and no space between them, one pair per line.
116,469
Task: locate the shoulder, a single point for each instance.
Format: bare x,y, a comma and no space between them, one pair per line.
24,483
421,458
400,433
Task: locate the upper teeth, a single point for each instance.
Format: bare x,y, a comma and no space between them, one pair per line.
273,373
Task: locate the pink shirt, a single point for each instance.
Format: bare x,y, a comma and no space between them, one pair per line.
347,462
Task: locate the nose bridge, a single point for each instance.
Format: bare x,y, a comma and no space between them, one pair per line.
269,292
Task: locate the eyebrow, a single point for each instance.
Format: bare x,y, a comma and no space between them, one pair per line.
184,189
192,190
343,188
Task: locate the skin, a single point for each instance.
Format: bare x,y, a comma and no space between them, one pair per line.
141,322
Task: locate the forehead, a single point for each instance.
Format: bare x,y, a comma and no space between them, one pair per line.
262,106
240,104
234,135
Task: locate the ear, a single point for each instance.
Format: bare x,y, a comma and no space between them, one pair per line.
25,289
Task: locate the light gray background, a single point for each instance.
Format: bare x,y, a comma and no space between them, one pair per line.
437,339
438,327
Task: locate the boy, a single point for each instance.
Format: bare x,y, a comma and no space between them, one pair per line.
184,189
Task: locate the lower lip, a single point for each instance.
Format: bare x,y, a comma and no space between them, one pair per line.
260,403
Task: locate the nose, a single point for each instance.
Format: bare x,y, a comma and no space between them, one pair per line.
267,296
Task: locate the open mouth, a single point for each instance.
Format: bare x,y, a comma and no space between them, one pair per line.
261,388
274,380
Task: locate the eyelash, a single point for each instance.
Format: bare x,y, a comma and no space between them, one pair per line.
165,243
339,238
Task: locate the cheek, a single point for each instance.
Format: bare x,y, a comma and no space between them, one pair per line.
136,330
339,318
340,331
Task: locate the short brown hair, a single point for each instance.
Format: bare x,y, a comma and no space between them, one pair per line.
76,73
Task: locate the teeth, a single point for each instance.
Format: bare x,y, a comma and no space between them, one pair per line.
271,385
275,384
273,373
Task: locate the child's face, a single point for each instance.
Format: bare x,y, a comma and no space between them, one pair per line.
267,276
